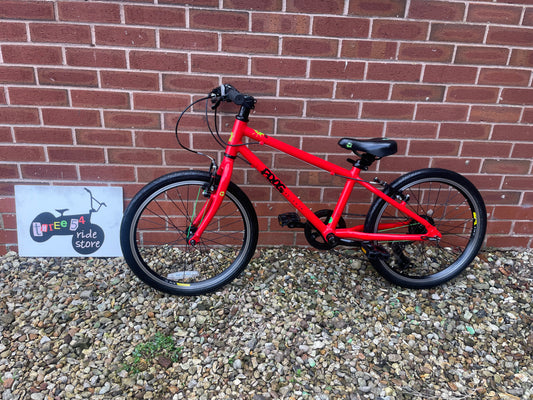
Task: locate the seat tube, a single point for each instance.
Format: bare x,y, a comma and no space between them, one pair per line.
343,199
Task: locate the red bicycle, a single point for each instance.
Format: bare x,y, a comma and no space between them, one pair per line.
192,232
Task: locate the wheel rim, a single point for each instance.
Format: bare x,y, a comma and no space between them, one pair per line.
159,232
451,208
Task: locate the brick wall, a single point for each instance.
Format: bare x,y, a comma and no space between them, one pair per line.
90,92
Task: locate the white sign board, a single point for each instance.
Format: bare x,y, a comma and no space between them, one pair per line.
68,221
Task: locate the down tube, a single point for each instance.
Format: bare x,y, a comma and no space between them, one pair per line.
284,190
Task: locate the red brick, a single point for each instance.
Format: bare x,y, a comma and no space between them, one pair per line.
88,12
415,92
512,133
161,139
99,99
218,20
522,58
250,44
154,15
309,47
265,5
469,94
341,27
441,112
332,109
346,70
436,10
508,212
2,97
394,72
200,3
125,119
67,77
312,89
507,241
96,58
362,90
399,29
462,166
368,49
434,148
258,87
464,131
523,227
188,40
528,17
186,83
279,67
504,76
16,9
457,33
481,55
75,154
160,101
129,80
22,153
70,117
485,149
279,107
512,167
18,54
122,36
281,23
43,135
107,173
357,129
510,36
524,150
5,135
411,130
13,32
103,137
60,33
159,61
302,126
9,171
38,96
527,118
49,171
494,114
19,115
384,8
219,64
16,75
135,156
425,52
517,96
449,74
316,6
496,14
387,111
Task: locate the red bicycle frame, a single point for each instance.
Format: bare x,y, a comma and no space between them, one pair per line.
236,147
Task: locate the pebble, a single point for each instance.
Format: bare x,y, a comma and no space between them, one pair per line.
297,323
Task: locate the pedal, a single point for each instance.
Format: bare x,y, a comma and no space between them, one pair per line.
291,220
375,251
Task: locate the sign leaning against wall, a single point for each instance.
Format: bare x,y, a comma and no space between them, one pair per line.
68,221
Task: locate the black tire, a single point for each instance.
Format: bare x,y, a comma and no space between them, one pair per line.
450,202
153,235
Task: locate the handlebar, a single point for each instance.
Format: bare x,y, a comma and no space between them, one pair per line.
229,94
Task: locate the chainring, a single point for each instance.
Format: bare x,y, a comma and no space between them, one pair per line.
312,234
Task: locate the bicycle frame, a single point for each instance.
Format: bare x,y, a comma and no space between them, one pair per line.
236,147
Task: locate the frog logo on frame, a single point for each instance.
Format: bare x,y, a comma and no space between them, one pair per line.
68,221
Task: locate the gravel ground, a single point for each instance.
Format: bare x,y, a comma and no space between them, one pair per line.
298,324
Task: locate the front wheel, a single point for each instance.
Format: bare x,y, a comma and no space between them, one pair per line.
448,201
158,222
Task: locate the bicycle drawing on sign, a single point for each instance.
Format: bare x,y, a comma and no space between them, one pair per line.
86,236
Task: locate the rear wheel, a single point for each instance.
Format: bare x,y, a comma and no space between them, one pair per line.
158,222
449,202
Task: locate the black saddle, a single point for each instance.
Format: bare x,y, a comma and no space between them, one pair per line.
379,147
62,210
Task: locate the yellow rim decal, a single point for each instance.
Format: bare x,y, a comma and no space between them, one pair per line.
182,284
475,218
